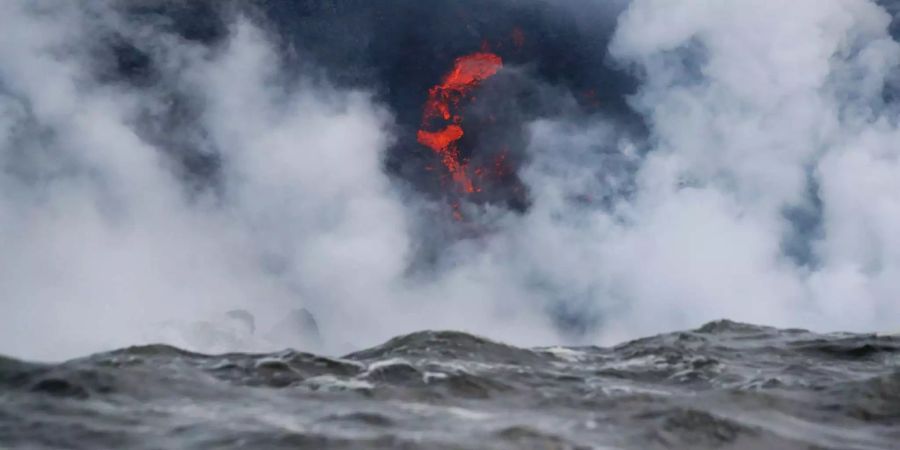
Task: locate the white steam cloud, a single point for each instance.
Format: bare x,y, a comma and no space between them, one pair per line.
759,110
101,241
769,190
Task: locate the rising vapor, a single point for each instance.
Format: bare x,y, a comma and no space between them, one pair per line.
662,164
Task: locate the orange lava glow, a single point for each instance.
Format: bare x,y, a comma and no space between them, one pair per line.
440,139
442,106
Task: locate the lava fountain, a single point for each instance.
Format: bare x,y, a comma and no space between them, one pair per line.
442,109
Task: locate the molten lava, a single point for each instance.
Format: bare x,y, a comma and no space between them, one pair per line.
443,103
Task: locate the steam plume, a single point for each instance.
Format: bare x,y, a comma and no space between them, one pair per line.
671,163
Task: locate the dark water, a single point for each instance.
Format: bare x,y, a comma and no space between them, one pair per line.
725,385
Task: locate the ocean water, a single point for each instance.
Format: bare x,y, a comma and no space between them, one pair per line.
725,385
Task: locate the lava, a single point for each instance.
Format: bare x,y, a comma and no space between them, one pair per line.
440,139
442,106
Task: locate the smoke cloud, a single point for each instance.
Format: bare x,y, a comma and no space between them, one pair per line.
672,163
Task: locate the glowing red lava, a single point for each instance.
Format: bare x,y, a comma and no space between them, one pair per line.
442,105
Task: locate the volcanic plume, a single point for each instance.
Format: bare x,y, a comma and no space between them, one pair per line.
442,110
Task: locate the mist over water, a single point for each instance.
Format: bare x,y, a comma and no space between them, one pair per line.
167,161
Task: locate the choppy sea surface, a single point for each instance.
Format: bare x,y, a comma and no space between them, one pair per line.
723,386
